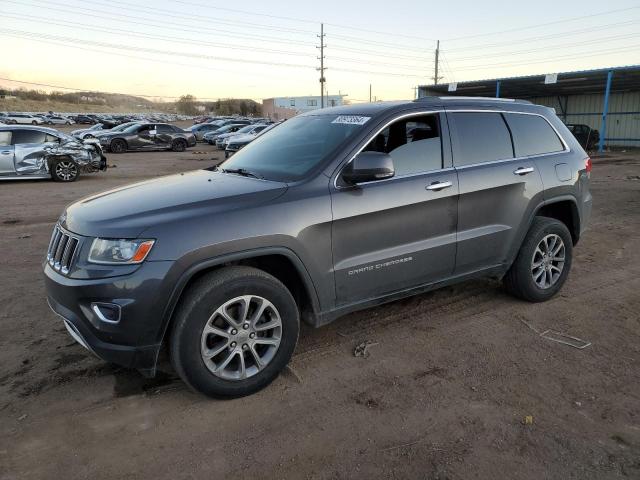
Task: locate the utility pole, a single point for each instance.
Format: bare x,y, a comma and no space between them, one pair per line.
436,77
321,58
369,93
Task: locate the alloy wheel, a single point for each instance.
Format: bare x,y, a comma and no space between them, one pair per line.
241,337
66,171
548,261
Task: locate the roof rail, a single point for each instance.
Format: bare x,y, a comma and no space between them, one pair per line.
478,99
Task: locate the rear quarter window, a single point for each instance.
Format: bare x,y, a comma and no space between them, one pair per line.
532,135
479,137
5,138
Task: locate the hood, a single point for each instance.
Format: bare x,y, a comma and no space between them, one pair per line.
127,211
242,138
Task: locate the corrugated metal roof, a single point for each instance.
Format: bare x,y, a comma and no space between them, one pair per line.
625,78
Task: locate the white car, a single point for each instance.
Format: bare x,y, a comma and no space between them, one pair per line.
24,118
57,120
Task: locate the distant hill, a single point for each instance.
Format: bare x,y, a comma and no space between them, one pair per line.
41,101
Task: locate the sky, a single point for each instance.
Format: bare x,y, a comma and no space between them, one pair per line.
260,49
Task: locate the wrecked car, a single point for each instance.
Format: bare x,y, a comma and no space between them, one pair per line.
40,152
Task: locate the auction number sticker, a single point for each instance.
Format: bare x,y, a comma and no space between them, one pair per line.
351,119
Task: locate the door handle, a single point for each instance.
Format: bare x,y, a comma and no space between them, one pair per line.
523,170
437,186
6,152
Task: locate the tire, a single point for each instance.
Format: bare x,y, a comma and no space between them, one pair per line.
34,123
533,276
88,135
118,146
178,145
200,306
64,170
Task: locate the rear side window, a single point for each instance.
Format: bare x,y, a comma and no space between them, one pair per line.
532,135
27,136
5,138
164,129
480,137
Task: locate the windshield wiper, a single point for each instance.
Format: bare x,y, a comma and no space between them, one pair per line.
242,171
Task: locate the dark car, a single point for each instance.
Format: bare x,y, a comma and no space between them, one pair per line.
587,136
84,120
148,136
333,211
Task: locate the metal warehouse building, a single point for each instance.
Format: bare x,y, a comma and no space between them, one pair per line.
607,99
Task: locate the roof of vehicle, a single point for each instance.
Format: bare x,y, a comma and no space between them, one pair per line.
375,108
52,131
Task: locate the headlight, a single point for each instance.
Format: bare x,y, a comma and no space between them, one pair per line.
108,251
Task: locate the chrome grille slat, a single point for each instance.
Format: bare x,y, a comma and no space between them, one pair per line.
62,250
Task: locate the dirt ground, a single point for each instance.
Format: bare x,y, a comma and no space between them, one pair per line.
443,394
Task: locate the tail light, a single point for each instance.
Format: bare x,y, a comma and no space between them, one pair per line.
587,165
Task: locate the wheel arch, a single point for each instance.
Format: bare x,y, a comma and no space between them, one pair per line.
280,262
565,210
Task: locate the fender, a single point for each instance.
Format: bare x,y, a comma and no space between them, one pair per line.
523,231
188,274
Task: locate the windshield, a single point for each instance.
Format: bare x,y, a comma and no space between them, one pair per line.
132,128
123,127
297,146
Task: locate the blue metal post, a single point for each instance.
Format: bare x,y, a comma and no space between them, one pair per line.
605,109
498,89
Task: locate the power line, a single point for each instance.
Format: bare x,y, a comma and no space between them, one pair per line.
66,23
336,25
148,50
556,22
78,44
188,28
593,53
542,37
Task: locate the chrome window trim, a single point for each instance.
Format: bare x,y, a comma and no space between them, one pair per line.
466,110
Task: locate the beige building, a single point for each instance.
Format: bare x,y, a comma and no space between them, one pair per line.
283,108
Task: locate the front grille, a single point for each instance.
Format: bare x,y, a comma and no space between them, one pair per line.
62,250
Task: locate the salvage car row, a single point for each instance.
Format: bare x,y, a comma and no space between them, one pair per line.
36,152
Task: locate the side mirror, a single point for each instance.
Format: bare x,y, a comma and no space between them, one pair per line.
368,167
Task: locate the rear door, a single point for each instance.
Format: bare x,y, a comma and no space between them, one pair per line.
399,233
163,136
6,154
144,140
497,190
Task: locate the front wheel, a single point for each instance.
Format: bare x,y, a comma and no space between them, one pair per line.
179,145
543,263
234,331
64,170
34,123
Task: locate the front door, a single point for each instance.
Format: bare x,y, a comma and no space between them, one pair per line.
394,234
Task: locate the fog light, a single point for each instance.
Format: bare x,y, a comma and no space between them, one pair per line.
107,312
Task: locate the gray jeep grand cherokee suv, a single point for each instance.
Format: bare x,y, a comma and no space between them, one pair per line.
334,211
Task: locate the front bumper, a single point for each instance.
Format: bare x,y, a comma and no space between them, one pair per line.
135,340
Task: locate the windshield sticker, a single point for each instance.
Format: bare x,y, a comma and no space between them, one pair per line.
351,119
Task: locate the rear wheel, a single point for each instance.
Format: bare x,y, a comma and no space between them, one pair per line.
64,170
178,145
543,263
118,146
34,123
234,331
